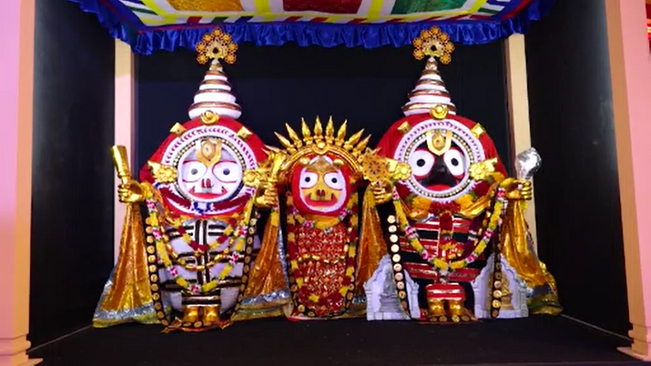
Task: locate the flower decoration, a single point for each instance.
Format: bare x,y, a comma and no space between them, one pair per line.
216,45
434,43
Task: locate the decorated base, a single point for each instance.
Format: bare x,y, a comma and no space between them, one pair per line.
179,325
516,287
468,317
382,296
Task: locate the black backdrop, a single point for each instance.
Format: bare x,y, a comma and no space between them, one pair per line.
275,85
577,190
72,194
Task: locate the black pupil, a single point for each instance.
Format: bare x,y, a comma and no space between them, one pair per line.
420,162
307,179
455,162
194,171
227,171
334,180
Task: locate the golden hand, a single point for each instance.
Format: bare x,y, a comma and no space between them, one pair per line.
381,192
518,189
131,192
268,199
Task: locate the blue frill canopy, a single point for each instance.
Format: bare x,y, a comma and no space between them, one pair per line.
152,25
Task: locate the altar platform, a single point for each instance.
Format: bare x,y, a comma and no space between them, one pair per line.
540,340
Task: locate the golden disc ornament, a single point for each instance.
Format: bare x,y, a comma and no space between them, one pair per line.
216,45
434,42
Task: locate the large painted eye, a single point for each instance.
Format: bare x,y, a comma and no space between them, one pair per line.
228,171
192,171
334,181
421,162
455,162
308,179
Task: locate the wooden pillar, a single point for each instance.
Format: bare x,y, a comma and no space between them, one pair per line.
518,100
631,83
17,80
124,123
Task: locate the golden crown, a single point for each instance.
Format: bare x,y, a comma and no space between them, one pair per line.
317,141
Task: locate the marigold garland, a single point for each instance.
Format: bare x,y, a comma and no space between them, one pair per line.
499,209
236,245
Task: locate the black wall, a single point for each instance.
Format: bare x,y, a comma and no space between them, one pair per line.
72,194
577,191
275,85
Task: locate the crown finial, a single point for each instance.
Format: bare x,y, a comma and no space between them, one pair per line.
216,45
433,43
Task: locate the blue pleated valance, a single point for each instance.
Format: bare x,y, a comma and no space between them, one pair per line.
152,25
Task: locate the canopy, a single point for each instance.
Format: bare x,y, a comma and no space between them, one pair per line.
151,25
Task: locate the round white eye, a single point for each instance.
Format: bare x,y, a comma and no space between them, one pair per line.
192,171
455,162
228,171
421,162
308,179
334,181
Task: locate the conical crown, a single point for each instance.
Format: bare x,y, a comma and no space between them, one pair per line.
318,141
214,94
430,91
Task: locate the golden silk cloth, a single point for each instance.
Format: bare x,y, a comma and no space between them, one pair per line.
519,253
266,294
126,297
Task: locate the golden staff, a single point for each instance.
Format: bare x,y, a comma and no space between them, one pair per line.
121,163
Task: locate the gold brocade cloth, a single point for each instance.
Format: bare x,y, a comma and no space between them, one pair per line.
520,255
126,297
371,243
266,293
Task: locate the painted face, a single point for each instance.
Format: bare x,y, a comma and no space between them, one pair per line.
322,185
438,170
209,172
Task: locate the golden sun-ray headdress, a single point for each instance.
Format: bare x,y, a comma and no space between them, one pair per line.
320,142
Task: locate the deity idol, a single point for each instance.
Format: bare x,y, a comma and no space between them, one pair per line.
329,260
202,219
459,247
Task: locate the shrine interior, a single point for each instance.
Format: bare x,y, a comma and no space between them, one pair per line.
578,221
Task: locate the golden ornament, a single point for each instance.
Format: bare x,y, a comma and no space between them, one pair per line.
216,45
433,43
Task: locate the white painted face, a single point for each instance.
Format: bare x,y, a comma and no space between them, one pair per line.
209,178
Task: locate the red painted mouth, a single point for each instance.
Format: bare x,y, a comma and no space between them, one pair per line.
207,196
438,187
320,203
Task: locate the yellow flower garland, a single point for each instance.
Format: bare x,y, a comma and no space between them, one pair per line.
161,246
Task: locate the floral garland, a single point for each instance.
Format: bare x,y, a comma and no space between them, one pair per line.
327,227
177,223
163,247
499,209
293,218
